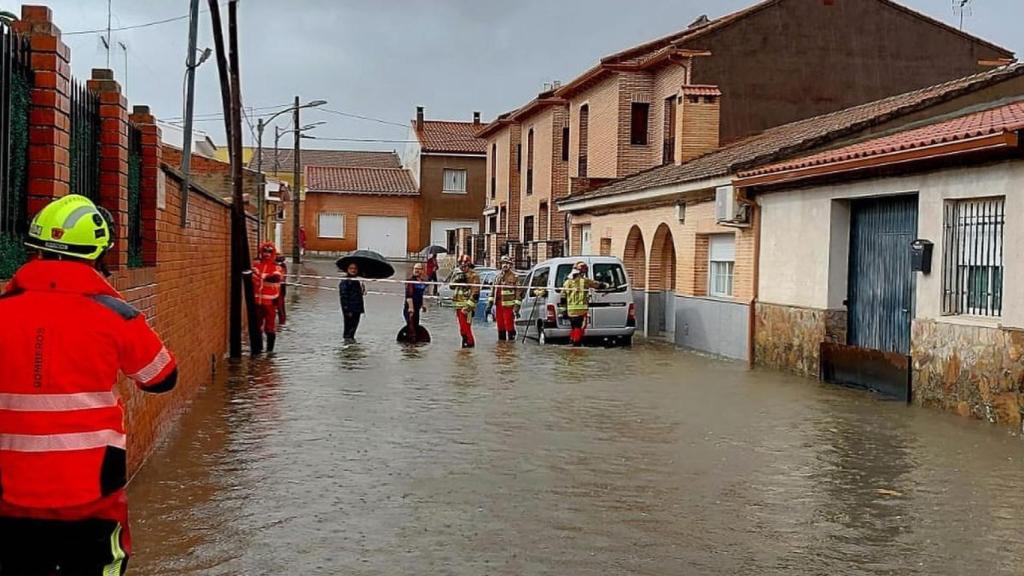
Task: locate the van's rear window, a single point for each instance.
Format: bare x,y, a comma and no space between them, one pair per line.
611,274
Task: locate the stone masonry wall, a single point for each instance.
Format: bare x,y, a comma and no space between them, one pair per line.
971,370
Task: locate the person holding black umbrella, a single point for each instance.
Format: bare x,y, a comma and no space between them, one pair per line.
351,292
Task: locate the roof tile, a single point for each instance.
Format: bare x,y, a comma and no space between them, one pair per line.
451,137
361,180
1006,118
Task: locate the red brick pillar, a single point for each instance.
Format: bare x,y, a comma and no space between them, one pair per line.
152,155
113,158
50,115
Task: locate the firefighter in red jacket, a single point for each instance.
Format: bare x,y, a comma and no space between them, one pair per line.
66,335
267,277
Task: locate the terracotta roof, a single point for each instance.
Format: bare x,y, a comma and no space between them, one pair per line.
364,158
440,136
999,120
360,180
701,90
789,139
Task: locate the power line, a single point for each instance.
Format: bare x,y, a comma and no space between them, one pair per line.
220,115
360,117
133,26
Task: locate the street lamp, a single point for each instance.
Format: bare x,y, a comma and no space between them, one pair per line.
260,125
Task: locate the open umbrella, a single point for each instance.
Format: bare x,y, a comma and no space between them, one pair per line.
422,335
370,263
432,250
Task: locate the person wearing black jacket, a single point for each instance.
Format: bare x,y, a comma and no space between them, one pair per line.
351,294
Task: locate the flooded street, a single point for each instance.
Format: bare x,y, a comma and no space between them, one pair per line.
380,459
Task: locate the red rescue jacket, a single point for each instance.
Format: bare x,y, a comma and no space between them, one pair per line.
66,333
267,278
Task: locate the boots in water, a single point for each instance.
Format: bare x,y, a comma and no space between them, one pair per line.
271,340
502,335
512,336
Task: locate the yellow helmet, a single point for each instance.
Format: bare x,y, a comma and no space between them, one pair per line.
72,226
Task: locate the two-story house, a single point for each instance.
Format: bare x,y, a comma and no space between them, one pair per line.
449,165
686,238
528,167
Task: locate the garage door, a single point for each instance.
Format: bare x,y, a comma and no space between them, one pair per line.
439,229
385,234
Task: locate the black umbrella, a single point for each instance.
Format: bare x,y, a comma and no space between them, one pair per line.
370,263
422,335
432,250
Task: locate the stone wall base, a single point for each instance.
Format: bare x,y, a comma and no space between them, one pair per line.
789,338
971,370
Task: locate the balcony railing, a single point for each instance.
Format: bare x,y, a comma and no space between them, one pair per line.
668,151
582,170
494,187
529,181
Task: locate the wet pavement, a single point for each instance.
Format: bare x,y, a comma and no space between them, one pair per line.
375,459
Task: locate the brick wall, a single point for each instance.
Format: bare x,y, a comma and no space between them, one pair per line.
663,237
353,206
668,81
698,123
602,129
634,87
182,286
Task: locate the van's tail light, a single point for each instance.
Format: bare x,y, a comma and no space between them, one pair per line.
552,314
631,315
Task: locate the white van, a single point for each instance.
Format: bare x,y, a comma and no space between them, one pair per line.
612,312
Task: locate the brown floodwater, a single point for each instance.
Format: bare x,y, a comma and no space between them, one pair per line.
374,458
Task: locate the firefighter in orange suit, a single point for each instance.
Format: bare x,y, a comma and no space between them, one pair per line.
66,335
267,278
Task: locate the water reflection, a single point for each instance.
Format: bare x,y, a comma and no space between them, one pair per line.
518,459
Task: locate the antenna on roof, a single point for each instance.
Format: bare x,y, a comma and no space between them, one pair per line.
963,6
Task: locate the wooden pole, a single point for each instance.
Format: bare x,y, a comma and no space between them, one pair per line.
235,290
238,205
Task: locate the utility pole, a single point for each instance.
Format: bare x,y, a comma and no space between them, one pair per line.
296,188
241,232
263,192
190,95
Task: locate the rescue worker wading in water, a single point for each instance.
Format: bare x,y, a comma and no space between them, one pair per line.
504,299
66,335
267,278
466,293
576,291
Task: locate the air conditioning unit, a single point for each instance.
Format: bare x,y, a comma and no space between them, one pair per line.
725,204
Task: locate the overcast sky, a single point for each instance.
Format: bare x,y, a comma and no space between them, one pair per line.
380,58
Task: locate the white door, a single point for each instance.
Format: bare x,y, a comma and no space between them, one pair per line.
439,229
387,235
585,244
278,230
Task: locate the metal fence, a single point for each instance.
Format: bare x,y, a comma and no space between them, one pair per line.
15,89
85,142
972,270
135,259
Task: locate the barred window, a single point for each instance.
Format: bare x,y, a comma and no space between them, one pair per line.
972,268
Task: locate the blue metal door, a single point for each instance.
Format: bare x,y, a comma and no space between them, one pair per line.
881,285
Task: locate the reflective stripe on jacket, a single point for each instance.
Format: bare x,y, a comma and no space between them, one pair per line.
506,295
466,297
267,279
577,295
67,334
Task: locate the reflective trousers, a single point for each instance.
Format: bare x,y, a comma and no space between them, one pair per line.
32,547
268,317
578,329
465,318
505,316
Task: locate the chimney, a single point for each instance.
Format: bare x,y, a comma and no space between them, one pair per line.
697,121
476,118
419,117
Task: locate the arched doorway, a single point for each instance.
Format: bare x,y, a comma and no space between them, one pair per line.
661,284
634,257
